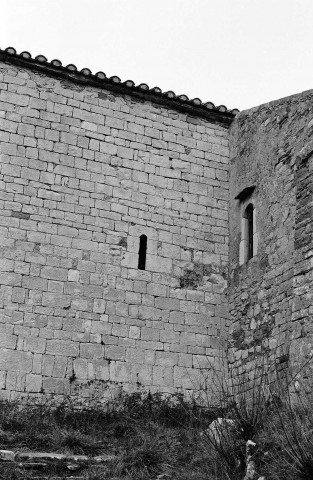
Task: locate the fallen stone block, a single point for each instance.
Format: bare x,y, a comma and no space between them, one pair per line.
103,458
73,467
37,456
7,456
77,458
220,429
51,457
32,465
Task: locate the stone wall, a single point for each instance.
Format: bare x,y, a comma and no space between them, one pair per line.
84,173
267,291
302,307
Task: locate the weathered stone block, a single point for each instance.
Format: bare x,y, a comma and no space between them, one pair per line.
34,344
120,371
60,367
177,317
135,355
10,278
15,361
80,368
73,276
33,383
99,305
89,350
113,352
56,300
167,303
34,283
166,359
149,313
54,273
63,348
134,332
59,386
150,334
8,341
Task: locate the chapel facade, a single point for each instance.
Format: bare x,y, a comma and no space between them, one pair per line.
146,239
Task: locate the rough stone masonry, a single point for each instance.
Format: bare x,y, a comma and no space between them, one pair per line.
85,171
271,294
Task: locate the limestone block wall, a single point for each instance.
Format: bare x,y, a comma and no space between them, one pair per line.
84,173
266,142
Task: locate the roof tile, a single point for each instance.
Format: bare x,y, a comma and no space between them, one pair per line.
129,84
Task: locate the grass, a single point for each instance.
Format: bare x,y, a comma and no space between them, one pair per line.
291,432
147,436
159,437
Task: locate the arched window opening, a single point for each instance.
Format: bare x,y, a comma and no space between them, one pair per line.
250,230
249,238
142,252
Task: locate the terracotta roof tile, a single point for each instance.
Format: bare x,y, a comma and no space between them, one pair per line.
197,106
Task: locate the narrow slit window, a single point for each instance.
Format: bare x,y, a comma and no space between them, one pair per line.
142,252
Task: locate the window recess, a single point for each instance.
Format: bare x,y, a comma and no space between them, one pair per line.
142,254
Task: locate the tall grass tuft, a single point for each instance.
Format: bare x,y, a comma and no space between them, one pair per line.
290,434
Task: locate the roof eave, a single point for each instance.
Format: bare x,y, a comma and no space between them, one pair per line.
85,77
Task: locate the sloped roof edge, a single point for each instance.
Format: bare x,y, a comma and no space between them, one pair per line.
181,102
